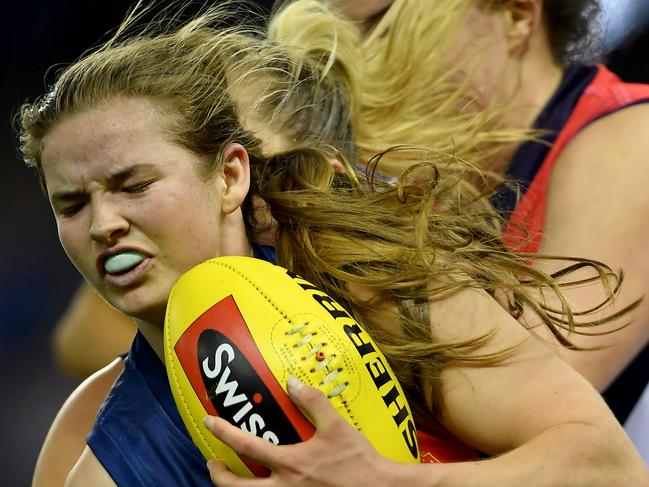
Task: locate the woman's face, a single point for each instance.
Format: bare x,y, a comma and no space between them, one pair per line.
132,211
362,10
480,43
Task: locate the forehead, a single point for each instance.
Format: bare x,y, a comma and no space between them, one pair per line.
362,9
118,119
113,133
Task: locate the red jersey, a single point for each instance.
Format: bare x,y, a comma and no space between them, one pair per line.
603,95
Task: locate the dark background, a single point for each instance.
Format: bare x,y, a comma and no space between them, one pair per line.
36,279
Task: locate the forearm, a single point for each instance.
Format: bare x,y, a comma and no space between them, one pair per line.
616,348
569,454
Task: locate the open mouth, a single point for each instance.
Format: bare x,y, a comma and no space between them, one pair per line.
123,262
126,268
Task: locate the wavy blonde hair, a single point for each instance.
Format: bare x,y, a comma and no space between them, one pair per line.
409,92
335,229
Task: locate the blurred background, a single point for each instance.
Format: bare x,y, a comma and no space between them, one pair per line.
36,279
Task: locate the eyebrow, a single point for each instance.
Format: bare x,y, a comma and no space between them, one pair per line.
121,176
377,16
64,196
112,180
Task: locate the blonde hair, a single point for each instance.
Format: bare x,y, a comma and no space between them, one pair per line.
335,229
409,92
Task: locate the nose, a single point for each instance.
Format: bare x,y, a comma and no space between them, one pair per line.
108,221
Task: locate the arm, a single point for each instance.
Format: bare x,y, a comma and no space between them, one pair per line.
542,422
66,438
88,471
598,204
91,333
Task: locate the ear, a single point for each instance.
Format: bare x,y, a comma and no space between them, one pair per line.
236,174
337,165
522,19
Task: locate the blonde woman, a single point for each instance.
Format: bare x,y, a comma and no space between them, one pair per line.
578,191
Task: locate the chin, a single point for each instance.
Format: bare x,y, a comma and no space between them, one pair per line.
141,310
154,316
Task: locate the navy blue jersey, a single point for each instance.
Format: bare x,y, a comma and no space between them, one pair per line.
139,436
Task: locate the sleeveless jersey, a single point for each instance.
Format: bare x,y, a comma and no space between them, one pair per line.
140,439
586,94
138,436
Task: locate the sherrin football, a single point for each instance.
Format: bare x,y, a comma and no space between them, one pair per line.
236,328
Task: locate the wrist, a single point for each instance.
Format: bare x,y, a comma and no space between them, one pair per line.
412,475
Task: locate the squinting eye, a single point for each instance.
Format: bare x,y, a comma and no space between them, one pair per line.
71,210
137,188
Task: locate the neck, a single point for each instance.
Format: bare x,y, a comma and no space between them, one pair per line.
153,335
533,80
536,86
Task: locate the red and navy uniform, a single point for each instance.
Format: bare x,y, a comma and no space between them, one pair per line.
586,94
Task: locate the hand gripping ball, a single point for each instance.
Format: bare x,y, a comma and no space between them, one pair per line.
237,327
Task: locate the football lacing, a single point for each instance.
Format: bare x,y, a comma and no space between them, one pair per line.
323,362
330,376
337,390
317,347
305,339
296,329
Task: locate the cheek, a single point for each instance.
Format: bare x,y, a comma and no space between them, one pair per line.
481,46
73,240
190,225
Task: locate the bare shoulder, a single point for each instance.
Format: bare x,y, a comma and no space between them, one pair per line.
597,207
66,438
604,173
88,471
469,390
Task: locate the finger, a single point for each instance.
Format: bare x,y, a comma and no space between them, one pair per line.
244,443
312,401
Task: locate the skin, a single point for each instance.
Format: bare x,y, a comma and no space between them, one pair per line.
91,321
97,212
568,417
520,63
65,441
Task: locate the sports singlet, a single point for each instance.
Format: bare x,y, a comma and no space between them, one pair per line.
586,94
138,435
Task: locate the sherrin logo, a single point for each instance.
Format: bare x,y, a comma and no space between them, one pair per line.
381,375
236,327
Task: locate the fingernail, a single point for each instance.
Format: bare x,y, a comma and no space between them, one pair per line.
294,383
208,421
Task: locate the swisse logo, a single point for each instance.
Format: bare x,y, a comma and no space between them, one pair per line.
237,392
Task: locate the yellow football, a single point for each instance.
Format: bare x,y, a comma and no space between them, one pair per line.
236,328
